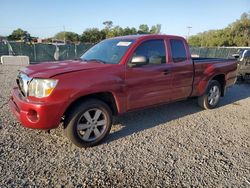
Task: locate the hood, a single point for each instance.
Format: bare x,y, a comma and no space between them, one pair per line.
50,69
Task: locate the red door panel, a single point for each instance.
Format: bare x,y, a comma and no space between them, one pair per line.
148,85
182,80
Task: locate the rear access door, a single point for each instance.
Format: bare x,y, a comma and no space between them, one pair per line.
182,68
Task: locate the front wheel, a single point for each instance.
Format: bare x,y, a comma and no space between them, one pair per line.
89,123
212,96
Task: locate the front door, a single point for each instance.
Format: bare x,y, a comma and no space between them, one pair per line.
149,84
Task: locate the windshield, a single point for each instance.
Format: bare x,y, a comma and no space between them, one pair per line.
108,51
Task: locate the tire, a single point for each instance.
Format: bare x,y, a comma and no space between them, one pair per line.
87,124
243,78
207,101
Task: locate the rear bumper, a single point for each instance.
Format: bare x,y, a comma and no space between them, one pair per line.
35,115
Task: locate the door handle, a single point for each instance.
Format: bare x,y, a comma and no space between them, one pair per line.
166,71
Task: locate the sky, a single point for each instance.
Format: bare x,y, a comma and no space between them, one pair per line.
44,18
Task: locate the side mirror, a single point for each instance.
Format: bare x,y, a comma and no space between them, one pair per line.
138,60
236,56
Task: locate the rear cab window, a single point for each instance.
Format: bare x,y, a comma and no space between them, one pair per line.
178,50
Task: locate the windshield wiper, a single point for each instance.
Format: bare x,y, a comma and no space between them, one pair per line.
98,60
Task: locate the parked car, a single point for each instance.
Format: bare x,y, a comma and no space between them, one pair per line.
244,63
116,76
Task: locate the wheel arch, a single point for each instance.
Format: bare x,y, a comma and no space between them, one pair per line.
204,83
221,79
106,97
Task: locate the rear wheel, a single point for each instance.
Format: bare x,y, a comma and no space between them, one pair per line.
89,123
212,96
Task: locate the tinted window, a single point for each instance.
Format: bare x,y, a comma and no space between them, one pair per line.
178,50
153,50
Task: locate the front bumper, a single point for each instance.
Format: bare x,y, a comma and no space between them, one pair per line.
33,114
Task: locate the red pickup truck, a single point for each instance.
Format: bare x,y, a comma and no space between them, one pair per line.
115,76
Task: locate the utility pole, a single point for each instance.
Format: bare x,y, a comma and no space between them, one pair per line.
64,37
189,28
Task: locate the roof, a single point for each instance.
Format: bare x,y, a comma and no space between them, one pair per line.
140,36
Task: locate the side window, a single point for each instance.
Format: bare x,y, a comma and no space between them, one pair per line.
153,50
178,50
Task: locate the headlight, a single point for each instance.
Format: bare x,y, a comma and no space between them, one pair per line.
23,82
41,87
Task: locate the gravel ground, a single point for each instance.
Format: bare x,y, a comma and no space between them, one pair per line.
175,145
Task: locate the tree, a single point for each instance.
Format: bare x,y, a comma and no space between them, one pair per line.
155,29
112,31
241,30
235,34
108,24
92,35
68,36
143,29
133,31
195,40
245,16
129,31
19,34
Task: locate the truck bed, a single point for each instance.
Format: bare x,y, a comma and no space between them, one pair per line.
205,68
203,59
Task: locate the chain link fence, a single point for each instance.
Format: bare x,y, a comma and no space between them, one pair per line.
44,52
215,52
53,52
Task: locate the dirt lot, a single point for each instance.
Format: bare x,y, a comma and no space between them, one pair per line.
176,145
